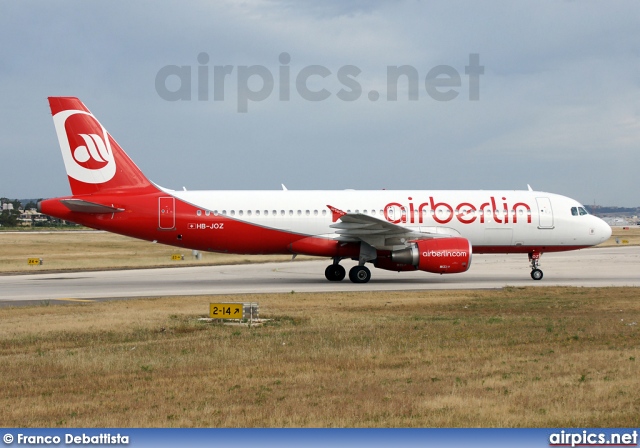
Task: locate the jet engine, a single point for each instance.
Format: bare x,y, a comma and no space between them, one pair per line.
436,255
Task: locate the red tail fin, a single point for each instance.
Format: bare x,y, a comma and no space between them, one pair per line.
92,158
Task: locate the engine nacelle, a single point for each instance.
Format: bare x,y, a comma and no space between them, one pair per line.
436,255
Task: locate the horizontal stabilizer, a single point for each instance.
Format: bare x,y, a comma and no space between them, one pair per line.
80,206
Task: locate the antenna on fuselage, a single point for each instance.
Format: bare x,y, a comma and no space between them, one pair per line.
529,187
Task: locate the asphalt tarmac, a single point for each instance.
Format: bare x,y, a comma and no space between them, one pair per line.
611,266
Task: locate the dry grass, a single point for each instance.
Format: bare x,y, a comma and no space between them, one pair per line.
631,234
534,357
100,250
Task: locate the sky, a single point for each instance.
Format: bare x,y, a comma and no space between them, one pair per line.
494,95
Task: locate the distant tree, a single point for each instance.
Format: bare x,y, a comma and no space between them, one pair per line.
9,218
16,203
30,205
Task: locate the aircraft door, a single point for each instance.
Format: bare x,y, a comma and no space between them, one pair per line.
545,213
166,213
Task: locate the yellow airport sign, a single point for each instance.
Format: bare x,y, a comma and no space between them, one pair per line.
177,257
226,310
34,261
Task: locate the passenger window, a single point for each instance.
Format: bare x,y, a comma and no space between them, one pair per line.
199,212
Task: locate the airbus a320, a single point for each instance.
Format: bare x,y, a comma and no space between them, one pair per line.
426,230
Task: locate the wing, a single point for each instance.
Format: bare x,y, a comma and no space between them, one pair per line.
354,227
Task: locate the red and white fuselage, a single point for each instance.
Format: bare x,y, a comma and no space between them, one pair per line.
397,230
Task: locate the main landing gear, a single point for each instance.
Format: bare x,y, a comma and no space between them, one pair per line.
357,274
534,259
334,272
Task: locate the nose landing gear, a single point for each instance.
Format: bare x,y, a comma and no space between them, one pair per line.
534,260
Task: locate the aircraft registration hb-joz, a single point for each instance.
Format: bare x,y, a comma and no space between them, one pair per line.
432,231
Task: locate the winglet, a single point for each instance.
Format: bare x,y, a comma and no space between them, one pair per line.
336,213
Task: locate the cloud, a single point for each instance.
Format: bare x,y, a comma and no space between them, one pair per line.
559,93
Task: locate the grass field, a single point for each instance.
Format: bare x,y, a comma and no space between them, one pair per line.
624,236
100,250
533,357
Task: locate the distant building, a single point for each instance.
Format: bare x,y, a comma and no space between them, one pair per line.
31,217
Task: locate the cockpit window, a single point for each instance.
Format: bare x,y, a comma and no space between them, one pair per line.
578,211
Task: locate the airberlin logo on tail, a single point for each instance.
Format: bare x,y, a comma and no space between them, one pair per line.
85,146
94,149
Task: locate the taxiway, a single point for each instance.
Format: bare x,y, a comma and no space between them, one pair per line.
611,266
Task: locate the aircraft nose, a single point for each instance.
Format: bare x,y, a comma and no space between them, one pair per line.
608,230
603,230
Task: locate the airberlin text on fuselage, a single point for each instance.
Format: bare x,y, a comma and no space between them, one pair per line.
464,212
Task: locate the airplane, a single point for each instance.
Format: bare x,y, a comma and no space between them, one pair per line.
407,230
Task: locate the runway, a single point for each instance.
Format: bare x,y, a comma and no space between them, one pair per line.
611,266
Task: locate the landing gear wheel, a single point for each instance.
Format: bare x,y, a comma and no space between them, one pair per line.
359,274
335,273
536,274
534,260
